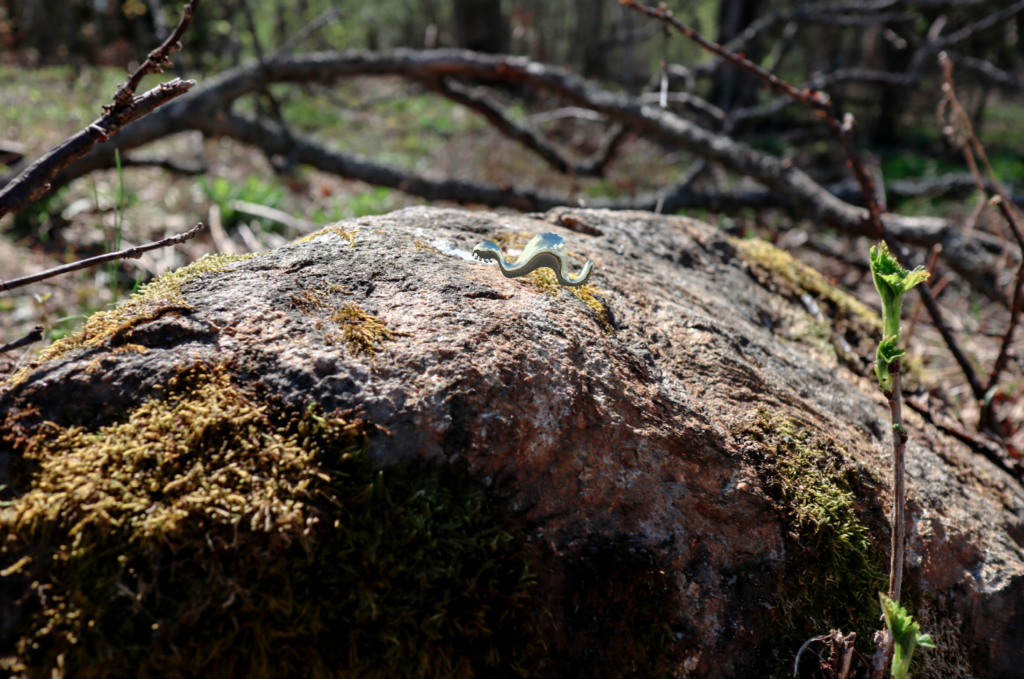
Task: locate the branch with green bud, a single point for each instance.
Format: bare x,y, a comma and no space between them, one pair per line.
905,633
892,282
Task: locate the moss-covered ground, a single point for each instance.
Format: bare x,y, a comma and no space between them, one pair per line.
214,533
833,571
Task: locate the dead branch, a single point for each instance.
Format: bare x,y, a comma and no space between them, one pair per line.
528,137
129,253
785,184
843,131
324,18
690,100
157,59
34,181
810,98
934,44
31,338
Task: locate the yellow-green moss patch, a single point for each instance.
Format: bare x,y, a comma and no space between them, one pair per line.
423,246
216,533
544,278
160,296
833,571
361,330
800,278
347,234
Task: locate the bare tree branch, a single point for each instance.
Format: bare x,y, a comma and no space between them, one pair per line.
157,59
531,139
31,338
34,182
324,18
129,253
843,131
785,184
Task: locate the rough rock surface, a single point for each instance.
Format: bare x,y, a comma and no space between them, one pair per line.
614,423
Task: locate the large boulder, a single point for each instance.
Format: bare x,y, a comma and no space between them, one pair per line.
368,454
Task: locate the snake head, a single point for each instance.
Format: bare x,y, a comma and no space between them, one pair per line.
487,251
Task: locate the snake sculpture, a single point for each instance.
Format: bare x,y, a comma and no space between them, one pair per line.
546,249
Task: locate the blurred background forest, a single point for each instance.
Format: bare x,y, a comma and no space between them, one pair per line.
60,61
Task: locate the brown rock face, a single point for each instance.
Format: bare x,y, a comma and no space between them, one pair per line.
617,423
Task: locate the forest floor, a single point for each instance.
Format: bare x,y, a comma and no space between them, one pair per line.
398,124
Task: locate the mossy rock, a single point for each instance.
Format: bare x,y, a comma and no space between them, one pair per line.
211,533
834,570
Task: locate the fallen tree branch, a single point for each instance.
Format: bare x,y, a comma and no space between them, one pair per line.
843,131
34,181
785,183
31,338
530,138
168,163
157,59
129,253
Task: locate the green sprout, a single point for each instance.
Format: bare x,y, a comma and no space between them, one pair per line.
892,282
906,635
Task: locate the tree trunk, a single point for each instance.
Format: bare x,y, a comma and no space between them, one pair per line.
733,87
480,26
588,48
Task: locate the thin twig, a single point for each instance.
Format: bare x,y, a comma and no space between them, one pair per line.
1015,308
843,130
815,99
129,253
158,58
961,134
971,146
529,137
947,335
933,259
31,338
803,647
899,447
309,29
34,181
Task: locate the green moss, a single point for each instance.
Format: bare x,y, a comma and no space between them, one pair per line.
545,280
361,330
213,533
796,278
162,295
833,573
337,229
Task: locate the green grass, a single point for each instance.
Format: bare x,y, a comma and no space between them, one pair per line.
375,201
253,189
